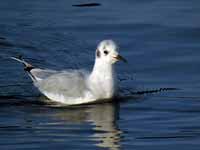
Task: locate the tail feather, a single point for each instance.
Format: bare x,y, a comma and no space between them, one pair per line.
27,67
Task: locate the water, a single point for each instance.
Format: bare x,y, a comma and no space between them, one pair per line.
160,39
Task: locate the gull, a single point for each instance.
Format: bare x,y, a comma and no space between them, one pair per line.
74,87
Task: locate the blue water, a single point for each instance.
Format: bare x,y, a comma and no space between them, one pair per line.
160,40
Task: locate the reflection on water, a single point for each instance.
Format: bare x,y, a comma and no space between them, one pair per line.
103,118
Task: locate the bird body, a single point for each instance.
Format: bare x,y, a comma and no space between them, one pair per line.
73,87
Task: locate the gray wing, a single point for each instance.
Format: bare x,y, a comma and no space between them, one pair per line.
41,74
69,84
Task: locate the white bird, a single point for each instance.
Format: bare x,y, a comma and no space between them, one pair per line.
73,87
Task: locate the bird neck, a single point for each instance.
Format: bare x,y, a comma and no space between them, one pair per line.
103,78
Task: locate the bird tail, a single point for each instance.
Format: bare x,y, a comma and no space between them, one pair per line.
27,67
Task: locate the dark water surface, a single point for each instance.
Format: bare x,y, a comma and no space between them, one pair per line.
160,39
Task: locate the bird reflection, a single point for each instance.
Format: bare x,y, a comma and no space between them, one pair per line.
103,119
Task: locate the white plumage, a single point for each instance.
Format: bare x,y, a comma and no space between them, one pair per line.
73,87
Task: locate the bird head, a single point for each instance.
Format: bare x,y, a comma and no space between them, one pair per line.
107,51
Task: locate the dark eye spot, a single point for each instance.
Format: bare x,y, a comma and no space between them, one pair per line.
105,52
98,53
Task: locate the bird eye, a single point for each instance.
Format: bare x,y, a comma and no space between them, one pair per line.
105,52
